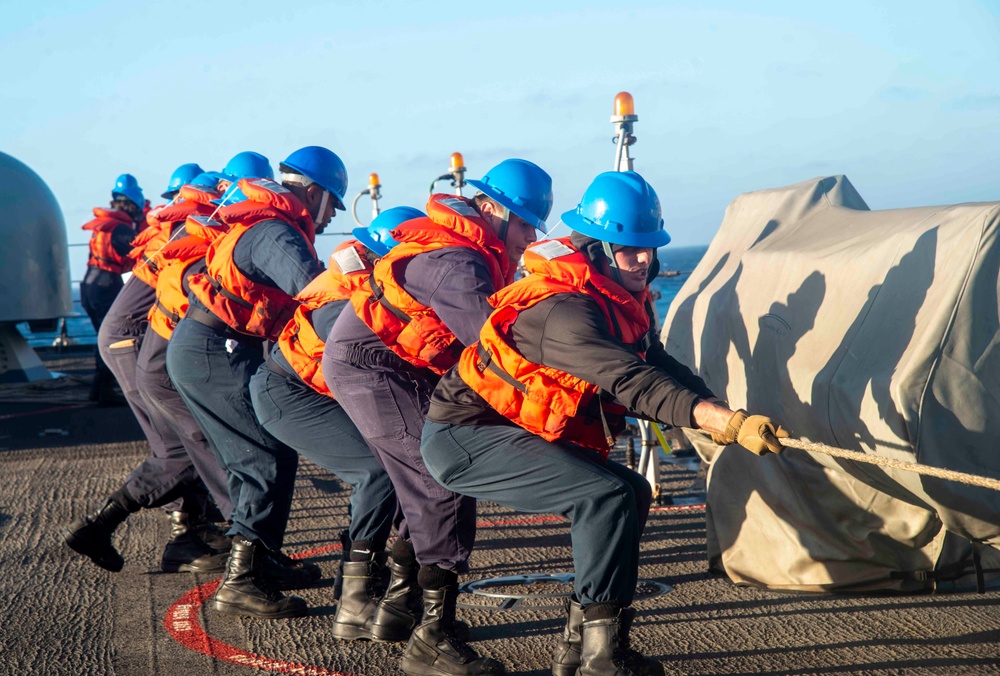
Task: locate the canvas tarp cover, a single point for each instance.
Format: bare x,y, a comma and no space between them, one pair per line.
875,331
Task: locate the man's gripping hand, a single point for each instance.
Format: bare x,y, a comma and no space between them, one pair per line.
756,433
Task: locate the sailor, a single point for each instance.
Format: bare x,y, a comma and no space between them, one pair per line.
113,230
528,416
180,472
424,301
294,403
245,297
184,174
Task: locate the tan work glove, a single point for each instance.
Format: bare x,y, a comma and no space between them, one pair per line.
756,433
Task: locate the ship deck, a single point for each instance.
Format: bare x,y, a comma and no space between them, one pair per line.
60,455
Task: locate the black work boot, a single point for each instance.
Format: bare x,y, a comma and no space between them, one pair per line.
401,608
213,535
245,589
362,587
566,658
605,649
288,573
345,553
91,535
186,552
434,649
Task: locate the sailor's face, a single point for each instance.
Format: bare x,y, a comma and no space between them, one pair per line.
519,235
125,204
633,266
324,209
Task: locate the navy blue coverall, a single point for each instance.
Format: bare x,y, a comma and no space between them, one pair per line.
472,449
211,367
166,478
317,427
98,292
387,398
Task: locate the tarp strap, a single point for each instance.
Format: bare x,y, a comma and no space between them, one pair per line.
977,561
952,572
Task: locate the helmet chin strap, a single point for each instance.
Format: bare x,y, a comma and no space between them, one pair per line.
503,226
322,205
612,263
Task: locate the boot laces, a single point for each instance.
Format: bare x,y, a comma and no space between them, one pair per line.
631,660
285,560
460,646
268,586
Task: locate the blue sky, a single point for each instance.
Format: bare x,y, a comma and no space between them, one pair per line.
902,97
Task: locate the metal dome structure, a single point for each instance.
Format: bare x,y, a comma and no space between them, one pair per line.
34,266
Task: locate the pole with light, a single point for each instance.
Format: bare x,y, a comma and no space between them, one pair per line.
623,119
372,191
456,174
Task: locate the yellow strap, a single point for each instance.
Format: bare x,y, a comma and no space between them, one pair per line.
659,435
122,343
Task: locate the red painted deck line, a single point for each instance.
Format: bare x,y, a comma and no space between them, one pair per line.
183,624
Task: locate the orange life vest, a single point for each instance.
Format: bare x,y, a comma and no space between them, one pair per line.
147,209
408,328
545,401
102,253
245,305
191,200
299,342
175,261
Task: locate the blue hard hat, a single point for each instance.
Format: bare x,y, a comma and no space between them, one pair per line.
620,207
322,166
208,179
377,236
128,187
182,175
248,164
522,187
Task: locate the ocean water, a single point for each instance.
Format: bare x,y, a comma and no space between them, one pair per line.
683,259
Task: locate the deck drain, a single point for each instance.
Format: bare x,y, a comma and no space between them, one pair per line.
547,590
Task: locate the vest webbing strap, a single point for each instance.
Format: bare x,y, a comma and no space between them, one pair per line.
378,295
486,362
226,293
150,263
295,338
643,344
604,421
172,316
